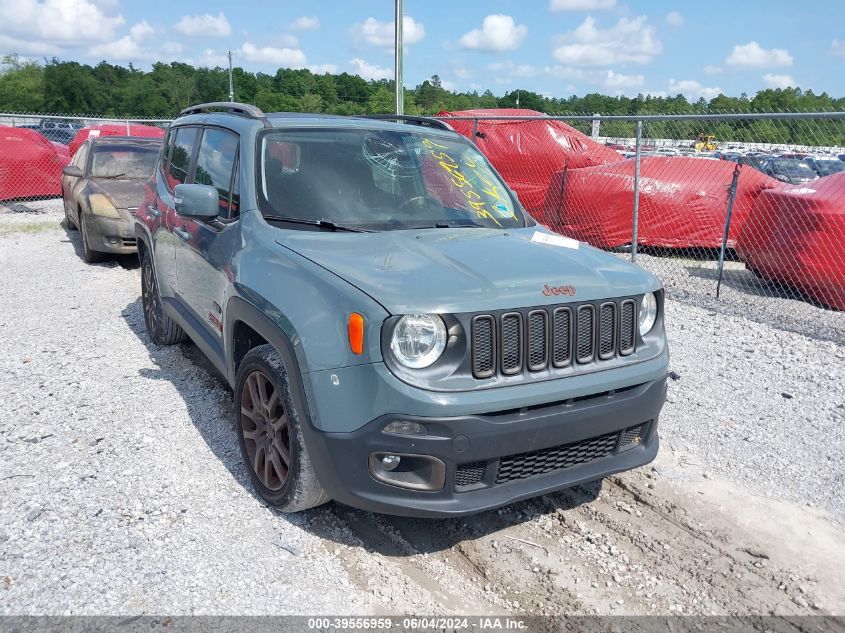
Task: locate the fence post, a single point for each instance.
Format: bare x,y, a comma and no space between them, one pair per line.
636,227
127,128
475,131
731,198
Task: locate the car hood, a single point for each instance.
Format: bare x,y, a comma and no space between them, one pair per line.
124,194
467,269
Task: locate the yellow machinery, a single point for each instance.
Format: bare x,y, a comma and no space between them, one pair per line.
706,143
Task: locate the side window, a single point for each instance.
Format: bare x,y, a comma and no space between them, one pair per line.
81,155
180,158
165,150
216,160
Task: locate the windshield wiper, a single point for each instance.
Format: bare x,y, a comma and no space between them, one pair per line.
322,223
110,177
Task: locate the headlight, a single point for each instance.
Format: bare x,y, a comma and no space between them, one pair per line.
100,205
648,313
418,340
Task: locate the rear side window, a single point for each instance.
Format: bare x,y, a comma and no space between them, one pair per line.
218,153
180,158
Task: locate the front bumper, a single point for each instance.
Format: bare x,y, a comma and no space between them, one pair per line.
586,431
112,235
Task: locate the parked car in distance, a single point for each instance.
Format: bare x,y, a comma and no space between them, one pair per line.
346,275
102,189
56,131
791,170
825,166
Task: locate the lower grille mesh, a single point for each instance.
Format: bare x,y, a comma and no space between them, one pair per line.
547,460
469,474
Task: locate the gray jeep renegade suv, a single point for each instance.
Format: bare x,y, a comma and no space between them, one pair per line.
399,334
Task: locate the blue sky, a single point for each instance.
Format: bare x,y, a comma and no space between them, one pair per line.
554,47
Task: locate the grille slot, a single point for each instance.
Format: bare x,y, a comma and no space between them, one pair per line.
607,330
470,474
483,346
584,333
537,340
631,437
511,343
627,327
562,337
525,465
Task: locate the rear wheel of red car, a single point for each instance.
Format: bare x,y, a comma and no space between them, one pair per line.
160,327
270,434
90,256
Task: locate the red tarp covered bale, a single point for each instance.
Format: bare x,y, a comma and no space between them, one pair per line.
796,235
30,166
683,202
526,153
117,129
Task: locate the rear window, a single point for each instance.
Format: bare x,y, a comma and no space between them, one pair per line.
130,163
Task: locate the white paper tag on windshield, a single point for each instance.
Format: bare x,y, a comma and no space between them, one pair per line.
555,240
93,133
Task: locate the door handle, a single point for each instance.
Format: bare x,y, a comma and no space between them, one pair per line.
181,233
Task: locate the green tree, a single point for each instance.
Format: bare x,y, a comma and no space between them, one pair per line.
21,85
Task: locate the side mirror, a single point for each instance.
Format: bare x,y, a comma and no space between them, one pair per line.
197,201
73,171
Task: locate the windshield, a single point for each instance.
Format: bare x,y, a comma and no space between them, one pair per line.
381,180
828,167
131,163
793,168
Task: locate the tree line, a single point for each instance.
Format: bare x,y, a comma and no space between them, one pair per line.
71,88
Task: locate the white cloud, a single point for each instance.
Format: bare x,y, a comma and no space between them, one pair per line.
628,41
27,46
305,23
710,69
53,23
370,71
581,5
205,25
322,69
620,81
511,69
693,89
779,81
128,47
212,59
140,31
673,18
497,33
373,32
171,48
837,48
286,57
752,55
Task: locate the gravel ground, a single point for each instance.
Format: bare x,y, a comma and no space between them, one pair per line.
122,491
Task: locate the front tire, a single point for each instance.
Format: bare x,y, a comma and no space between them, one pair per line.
160,327
270,434
90,256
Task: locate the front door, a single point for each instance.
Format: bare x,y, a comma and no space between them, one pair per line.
205,248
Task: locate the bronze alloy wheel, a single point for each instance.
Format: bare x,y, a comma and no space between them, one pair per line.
150,297
266,433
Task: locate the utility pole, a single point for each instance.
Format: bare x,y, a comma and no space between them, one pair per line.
517,98
231,85
397,62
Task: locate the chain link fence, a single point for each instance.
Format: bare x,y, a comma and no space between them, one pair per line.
744,212
740,212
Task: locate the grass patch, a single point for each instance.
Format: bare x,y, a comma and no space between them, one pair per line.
35,226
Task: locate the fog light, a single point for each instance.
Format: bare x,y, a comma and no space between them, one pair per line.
390,462
405,427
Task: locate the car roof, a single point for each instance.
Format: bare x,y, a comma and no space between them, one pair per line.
243,117
124,140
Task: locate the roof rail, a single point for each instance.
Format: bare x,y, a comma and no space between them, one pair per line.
241,109
423,121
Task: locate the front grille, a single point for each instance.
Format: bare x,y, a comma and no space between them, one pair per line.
552,338
627,326
511,343
544,461
470,474
484,346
